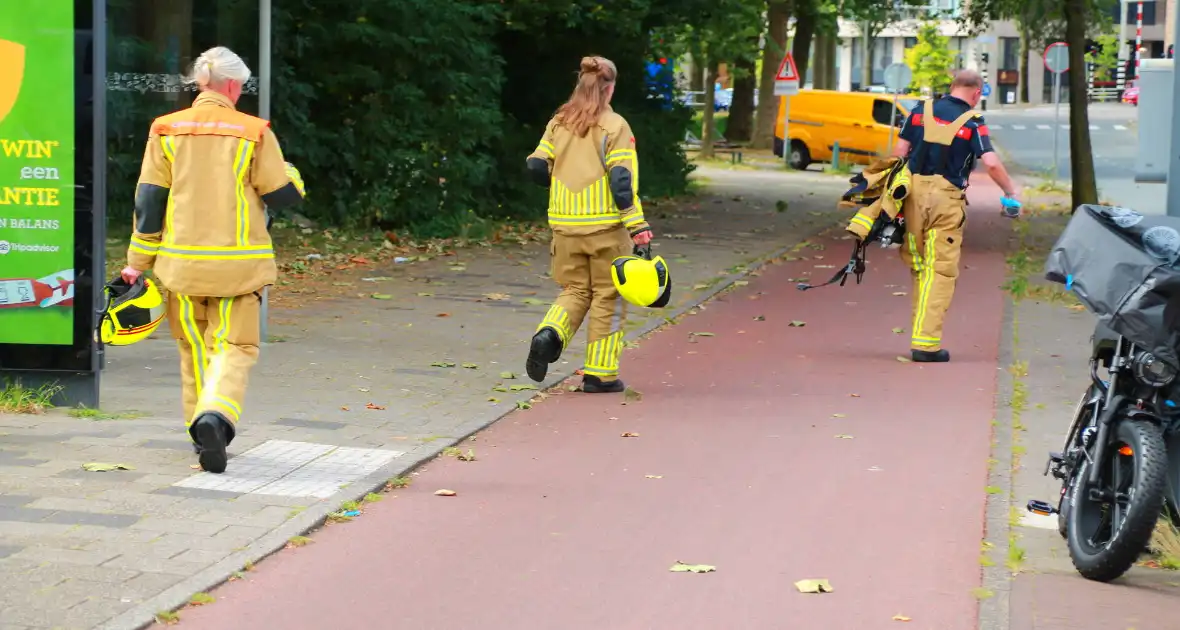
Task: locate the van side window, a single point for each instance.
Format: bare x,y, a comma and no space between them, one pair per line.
883,112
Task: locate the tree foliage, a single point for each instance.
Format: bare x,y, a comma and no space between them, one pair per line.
1106,60
931,59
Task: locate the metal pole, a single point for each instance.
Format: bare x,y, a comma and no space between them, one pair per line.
786,136
1121,76
1138,39
866,61
264,47
1056,119
1173,181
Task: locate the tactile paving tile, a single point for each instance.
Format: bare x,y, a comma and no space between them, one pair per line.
293,469
324,477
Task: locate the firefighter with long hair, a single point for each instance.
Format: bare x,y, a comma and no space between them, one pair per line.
210,176
587,159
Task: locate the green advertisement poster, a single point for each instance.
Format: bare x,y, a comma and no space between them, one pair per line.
37,172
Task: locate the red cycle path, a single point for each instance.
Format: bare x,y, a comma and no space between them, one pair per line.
558,524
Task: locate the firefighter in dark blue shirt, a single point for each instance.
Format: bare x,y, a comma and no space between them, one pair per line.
942,141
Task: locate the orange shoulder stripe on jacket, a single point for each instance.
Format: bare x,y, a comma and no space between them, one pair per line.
210,121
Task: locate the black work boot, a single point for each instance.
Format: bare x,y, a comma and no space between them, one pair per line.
595,385
544,349
928,356
212,434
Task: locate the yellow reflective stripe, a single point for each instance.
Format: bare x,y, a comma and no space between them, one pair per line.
232,409
144,247
168,145
633,220
925,281
546,148
602,356
559,320
192,333
296,178
916,263
621,154
211,397
597,219
862,221
242,159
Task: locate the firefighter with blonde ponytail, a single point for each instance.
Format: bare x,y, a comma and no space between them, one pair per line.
587,159
210,173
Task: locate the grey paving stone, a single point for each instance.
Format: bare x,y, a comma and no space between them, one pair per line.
87,518
66,556
311,424
75,472
179,526
179,444
23,514
8,550
71,504
15,500
155,564
196,493
16,460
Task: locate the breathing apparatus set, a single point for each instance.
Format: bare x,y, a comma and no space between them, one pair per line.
878,192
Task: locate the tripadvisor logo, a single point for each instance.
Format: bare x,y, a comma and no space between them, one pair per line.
12,71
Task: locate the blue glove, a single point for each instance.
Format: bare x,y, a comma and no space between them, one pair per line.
1010,207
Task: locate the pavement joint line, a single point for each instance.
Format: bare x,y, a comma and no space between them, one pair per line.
177,596
994,612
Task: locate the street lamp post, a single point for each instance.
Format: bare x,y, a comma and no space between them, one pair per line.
1173,181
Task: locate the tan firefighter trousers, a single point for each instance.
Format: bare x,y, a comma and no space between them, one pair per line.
935,215
218,339
582,266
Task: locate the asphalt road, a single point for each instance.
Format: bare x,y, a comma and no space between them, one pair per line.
1026,139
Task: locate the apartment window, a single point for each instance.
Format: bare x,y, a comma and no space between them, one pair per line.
1010,53
882,57
910,42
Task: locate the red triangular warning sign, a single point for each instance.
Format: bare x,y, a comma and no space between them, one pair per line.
786,70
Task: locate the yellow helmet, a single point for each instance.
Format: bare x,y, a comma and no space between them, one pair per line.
133,312
641,279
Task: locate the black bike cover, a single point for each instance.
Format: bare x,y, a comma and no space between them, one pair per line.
1122,266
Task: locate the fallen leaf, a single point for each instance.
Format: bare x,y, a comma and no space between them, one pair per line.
499,388
702,334
443,315
901,618
372,406
521,388
471,366
898,331
843,436
797,324
532,301
630,434
458,268
700,287
493,400
680,567
900,293
101,467
443,364
195,466
813,586
854,395
741,283
654,476
760,318
904,360
344,409
839,415
424,294
381,296
497,297
632,395
520,404
507,375
444,493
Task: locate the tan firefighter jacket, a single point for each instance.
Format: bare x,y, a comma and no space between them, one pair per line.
879,188
593,180
209,174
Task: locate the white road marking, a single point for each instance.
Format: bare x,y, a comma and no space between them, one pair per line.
1120,128
1093,127
996,126
1042,126
1018,127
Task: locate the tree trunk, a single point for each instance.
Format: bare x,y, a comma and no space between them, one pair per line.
1024,51
819,65
1081,157
766,113
696,81
707,120
866,64
741,109
806,15
831,77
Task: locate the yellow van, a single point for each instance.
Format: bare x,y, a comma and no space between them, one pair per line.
860,122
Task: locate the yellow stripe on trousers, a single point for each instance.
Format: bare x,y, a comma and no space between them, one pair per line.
211,397
559,320
192,333
925,281
602,356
